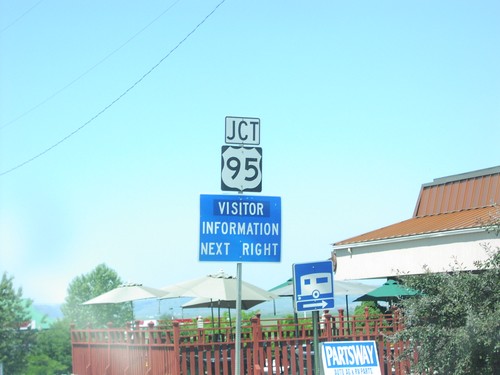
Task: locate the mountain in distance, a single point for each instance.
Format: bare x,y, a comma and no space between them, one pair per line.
172,308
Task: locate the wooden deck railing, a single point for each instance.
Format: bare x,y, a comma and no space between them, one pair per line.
276,346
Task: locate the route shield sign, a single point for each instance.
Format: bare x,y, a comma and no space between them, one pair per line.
313,286
240,228
241,169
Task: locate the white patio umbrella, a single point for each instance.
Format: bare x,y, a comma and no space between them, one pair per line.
219,287
127,293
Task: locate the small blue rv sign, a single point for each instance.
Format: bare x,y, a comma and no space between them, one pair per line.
313,286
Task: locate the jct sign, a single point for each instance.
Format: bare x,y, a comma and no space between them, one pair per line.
242,130
240,228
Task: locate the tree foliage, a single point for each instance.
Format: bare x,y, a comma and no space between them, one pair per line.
51,353
14,342
455,325
85,287
374,309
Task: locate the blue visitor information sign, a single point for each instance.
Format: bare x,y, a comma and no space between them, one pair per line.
239,228
350,358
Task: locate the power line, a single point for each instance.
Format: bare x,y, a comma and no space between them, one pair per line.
36,106
98,114
18,18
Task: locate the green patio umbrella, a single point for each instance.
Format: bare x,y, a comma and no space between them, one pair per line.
389,291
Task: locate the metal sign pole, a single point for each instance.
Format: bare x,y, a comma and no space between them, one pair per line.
315,319
237,341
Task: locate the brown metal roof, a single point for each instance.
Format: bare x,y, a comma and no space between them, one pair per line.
460,192
473,218
464,201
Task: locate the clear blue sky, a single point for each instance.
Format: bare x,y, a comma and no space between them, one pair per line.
361,102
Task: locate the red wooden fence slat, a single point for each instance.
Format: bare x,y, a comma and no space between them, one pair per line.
277,346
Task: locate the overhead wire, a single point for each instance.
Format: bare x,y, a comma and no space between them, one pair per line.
21,16
36,106
98,114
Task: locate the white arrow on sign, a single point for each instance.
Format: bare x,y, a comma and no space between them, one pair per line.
321,304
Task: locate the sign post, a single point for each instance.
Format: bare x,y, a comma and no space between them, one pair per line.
237,341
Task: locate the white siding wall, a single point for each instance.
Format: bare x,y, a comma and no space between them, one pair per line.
393,258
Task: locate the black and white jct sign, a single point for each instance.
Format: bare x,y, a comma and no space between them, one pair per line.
241,169
242,130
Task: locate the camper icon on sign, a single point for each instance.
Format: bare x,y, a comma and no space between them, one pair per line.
315,285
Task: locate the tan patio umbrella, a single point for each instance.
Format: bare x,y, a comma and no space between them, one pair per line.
219,287
127,293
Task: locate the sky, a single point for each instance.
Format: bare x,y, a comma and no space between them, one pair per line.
112,122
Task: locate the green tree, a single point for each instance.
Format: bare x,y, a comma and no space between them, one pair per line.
374,309
15,343
455,324
51,354
42,364
100,280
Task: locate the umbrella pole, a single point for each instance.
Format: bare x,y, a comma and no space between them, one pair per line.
218,316
295,318
347,306
212,309
347,310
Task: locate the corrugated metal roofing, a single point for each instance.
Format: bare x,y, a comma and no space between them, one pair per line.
463,201
474,218
460,192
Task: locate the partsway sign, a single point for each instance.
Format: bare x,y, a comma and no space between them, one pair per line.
240,228
350,358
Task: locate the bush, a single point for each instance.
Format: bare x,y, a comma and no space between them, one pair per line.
455,325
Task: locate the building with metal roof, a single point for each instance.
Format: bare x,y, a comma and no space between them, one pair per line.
39,320
455,217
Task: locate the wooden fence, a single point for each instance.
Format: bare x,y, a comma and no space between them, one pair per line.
277,346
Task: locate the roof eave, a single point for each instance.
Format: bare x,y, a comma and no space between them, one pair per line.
408,238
